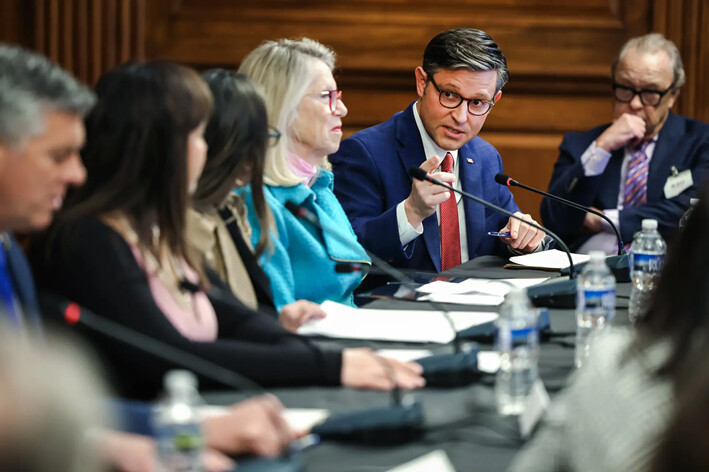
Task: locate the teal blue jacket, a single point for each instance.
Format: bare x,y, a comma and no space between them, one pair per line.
301,263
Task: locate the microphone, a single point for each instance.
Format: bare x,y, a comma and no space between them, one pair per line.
619,264
74,314
456,369
561,293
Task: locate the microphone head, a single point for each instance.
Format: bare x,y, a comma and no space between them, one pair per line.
72,313
294,208
347,267
503,179
418,173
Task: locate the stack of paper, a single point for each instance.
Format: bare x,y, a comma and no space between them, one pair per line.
485,292
548,260
422,326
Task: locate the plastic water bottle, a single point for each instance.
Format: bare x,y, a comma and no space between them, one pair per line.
647,254
595,303
683,221
518,345
177,424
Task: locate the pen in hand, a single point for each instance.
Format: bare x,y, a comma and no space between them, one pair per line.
506,234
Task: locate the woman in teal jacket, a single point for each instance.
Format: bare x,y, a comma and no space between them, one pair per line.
302,99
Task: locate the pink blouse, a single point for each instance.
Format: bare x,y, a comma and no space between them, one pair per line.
198,324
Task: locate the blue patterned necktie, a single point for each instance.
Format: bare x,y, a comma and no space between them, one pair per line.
636,180
8,305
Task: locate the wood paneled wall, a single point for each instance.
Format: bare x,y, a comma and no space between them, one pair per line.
559,52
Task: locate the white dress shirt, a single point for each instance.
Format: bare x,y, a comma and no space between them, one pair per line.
407,232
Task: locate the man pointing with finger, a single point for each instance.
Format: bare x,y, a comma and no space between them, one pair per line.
419,225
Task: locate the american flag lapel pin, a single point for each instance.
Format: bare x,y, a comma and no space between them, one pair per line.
470,161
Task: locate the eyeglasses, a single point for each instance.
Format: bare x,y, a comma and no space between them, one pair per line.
273,136
650,98
448,99
335,97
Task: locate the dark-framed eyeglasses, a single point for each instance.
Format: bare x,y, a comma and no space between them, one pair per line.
651,98
449,99
273,136
335,96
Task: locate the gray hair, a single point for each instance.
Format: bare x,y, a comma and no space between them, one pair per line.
30,84
465,48
284,71
650,44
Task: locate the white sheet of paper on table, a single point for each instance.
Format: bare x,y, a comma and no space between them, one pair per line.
345,322
483,292
300,419
433,461
551,259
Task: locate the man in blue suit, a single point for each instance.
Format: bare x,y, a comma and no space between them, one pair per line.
461,79
646,164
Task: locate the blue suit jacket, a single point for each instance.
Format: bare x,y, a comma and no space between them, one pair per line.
682,143
371,179
23,285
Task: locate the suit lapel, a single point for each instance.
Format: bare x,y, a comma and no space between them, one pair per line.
470,177
411,155
668,142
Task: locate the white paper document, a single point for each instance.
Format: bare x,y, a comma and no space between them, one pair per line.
484,292
422,326
551,259
300,419
433,461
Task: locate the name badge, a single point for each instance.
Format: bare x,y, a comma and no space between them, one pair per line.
678,182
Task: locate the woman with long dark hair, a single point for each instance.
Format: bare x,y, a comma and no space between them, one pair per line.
120,250
218,226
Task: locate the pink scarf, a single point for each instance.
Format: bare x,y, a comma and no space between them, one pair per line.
301,168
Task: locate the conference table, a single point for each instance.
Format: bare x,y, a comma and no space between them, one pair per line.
461,421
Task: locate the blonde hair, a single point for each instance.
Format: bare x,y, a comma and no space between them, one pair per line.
284,70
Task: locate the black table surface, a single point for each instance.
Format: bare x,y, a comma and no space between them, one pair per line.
461,421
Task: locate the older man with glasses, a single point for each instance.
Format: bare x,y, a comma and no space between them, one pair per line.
461,79
646,164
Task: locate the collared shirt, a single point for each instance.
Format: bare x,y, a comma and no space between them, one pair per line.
594,161
407,232
208,234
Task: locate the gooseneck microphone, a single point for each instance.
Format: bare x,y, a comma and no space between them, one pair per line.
506,180
346,267
75,314
440,370
619,264
560,293
420,174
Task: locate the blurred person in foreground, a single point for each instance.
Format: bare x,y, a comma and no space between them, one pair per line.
614,413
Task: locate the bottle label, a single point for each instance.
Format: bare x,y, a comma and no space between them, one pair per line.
593,299
648,262
512,339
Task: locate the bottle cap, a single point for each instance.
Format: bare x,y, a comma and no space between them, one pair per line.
180,381
597,256
649,224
